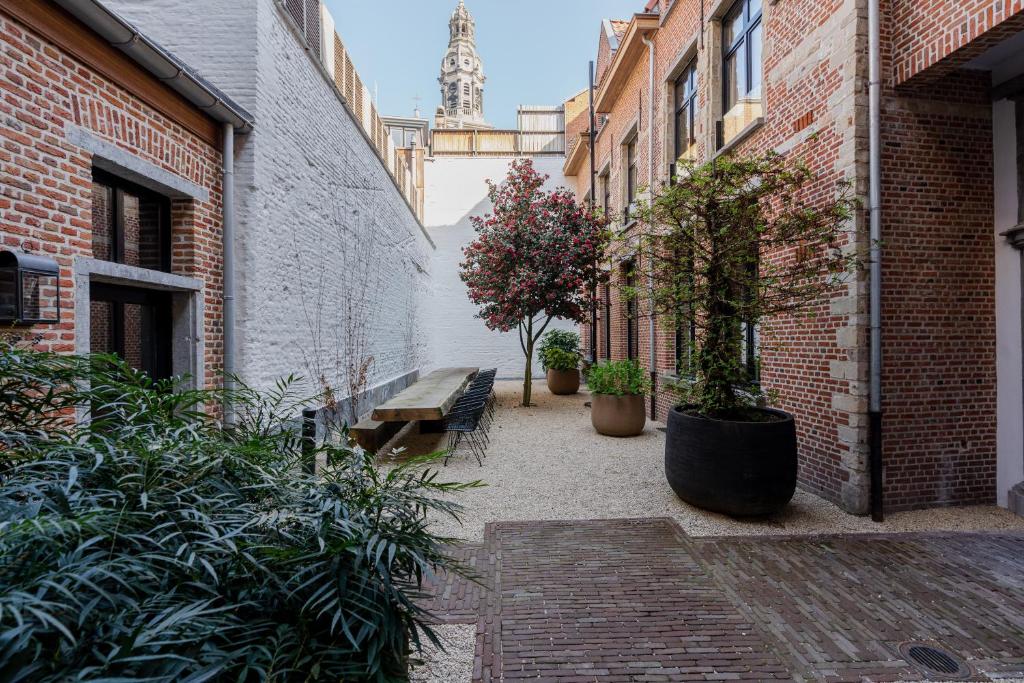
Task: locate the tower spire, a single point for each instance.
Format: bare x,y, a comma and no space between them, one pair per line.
462,75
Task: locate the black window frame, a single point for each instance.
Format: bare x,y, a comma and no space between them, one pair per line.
159,359
631,178
686,324
740,42
120,187
632,315
687,81
608,321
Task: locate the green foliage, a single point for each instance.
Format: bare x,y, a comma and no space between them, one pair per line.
534,259
619,378
150,544
716,225
564,340
558,359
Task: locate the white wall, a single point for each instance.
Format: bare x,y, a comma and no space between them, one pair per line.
1009,409
323,231
456,189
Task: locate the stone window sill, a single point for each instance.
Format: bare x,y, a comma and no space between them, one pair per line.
745,133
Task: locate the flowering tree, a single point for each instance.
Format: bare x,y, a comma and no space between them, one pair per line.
534,259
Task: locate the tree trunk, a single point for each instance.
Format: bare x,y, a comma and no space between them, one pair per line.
528,379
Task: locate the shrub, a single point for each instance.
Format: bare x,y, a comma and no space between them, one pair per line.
618,378
566,340
722,227
559,359
149,544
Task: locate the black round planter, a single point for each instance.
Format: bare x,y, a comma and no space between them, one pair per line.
743,469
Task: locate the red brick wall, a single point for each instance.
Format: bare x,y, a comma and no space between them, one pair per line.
925,32
46,182
800,354
939,339
939,328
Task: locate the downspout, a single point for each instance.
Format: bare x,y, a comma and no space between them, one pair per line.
875,274
228,237
650,193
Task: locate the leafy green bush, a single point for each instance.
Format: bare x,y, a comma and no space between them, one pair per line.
566,340
618,378
150,544
559,359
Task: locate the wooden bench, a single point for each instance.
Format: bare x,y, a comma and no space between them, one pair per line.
428,400
372,434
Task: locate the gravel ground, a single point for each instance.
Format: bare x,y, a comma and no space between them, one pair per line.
547,463
452,664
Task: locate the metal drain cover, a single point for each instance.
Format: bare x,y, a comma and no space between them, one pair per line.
934,660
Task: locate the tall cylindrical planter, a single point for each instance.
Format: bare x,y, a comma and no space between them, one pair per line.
742,469
563,382
618,415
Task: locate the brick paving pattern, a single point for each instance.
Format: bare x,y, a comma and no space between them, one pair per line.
636,600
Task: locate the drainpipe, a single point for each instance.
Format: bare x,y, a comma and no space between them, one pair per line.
650,193
228,236
593,200
875,202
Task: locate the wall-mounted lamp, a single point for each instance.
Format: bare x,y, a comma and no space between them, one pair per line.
29,289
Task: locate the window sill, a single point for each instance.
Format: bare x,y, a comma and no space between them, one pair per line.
628,226
745,133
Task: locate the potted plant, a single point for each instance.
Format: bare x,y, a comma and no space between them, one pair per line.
618,388
739,242
560,358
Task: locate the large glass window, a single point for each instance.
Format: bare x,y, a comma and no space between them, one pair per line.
686,109
741,42
130,225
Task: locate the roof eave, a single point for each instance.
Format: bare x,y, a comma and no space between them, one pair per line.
625,58
166,67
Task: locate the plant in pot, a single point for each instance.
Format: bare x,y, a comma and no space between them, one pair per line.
618,388
740,243
560,358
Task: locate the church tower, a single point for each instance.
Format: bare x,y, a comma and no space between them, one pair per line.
462,76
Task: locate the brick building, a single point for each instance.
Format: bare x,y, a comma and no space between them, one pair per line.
111,166
685,78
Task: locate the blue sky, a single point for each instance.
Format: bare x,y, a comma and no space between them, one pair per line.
534,51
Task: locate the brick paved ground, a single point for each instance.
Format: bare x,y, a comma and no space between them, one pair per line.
637,600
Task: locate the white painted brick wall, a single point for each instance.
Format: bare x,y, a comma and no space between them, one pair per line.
456,189
322,227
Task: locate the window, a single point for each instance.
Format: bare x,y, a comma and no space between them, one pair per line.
686,326
741,61
750,335
130,225
606,193
686,109
608,322
632,322
631,179
133,323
